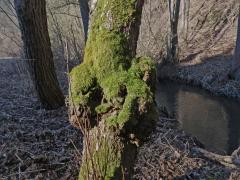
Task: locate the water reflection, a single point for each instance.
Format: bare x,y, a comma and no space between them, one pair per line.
215,121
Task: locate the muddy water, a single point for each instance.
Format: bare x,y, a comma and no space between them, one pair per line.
215,121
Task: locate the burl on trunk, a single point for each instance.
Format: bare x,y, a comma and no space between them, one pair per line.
112,92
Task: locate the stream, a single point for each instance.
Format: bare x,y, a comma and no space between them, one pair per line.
215,121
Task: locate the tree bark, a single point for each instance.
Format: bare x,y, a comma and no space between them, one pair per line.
33,24
185,8
85,14
174,9
112,92
236,58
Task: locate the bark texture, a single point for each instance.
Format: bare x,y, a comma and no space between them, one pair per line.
236,58
112,91
174,9
33,24
85,13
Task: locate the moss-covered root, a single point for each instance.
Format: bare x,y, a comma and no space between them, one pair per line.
106,156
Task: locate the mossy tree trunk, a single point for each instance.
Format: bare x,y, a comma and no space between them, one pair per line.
112,92
32,18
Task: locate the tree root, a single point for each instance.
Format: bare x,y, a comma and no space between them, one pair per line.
228,161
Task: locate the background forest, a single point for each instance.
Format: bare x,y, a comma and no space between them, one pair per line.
212,20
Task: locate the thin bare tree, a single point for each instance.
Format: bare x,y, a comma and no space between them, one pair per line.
174,9
185,18
236,58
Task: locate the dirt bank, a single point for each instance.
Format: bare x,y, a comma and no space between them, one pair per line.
210,73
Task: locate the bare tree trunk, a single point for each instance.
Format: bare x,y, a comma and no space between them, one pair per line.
33,24
185,8
174,9
58,33
85,10
112,92
236,58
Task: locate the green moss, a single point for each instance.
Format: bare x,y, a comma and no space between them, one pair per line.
82,80
113,14
109,65
103,108
106,55
137,90
141,65
104,162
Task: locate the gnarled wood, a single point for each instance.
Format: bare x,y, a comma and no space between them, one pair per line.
112,91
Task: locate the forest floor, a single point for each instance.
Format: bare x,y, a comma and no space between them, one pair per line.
34,143
210,73
171,154
39,144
